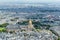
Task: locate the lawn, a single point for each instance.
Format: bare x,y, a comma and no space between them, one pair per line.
2,29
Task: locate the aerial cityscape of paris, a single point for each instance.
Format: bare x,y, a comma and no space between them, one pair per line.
29,19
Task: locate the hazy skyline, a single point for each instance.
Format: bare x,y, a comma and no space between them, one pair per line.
29,1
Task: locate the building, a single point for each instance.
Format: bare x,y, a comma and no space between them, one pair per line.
30,26
12,27
16,27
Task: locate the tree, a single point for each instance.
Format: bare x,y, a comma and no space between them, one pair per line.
4,24
58,38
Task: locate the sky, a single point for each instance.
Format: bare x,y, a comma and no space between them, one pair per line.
29,1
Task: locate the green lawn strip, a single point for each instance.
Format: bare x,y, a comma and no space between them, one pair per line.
2,29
